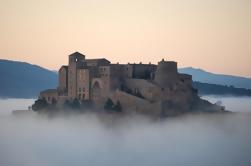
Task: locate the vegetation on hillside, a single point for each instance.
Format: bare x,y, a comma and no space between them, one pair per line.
213,89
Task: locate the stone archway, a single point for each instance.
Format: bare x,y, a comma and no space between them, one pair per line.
96,90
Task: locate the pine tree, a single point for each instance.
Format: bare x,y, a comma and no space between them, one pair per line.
108,104
117,107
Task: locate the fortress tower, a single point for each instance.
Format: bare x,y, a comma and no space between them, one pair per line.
166,73
76,60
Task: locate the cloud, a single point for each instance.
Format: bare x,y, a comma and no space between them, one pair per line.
106,140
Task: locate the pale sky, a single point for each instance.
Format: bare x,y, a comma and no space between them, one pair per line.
214,35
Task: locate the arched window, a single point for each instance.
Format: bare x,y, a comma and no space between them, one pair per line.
96,90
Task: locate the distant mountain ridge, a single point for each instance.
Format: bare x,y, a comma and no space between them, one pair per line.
23,80
220,79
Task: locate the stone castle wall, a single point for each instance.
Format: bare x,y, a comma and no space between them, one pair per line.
83,84
132,104
63,80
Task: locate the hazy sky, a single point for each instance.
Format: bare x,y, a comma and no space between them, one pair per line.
214,35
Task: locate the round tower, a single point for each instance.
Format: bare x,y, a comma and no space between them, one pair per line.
166,73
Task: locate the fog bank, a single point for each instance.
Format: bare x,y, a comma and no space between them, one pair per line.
9,104
218,140
232,103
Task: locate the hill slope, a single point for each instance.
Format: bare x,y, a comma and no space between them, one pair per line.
23,80
213,89
220,79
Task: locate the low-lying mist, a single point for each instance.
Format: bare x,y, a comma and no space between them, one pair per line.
91,140
232,103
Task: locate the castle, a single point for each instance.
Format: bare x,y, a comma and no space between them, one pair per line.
143,88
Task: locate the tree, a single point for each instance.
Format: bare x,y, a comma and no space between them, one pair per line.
75,104
67,104
108,104
117,107
39,104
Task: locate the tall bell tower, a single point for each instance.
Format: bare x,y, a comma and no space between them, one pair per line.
76,60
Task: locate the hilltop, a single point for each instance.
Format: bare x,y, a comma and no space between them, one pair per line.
24,80
203,76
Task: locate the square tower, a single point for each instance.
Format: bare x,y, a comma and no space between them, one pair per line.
76,60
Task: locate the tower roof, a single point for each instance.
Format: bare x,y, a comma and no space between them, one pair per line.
77,54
